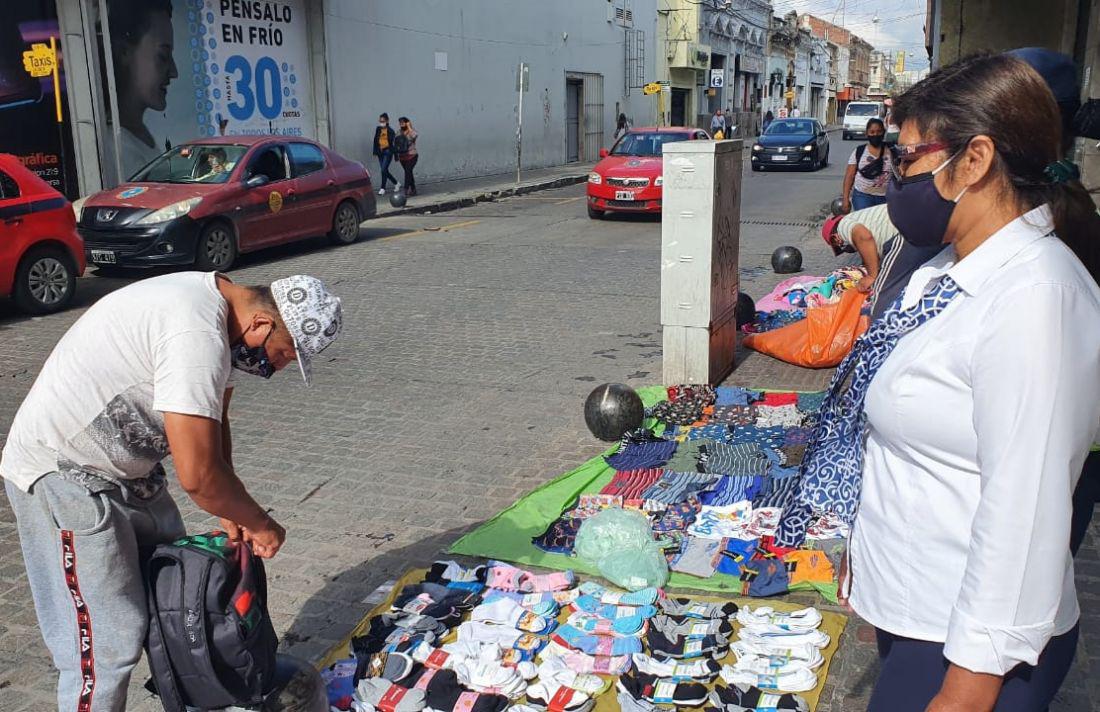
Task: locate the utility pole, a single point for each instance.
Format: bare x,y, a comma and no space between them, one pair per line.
522,83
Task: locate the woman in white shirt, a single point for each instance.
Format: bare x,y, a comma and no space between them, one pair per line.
981,393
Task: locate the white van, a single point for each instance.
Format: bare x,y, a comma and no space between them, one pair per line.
856,116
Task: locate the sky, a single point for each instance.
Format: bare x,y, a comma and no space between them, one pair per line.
900,25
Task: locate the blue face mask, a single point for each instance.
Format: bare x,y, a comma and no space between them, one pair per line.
253,359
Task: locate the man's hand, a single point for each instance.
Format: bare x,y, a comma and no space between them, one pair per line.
846,205
865,283
231,528
266,541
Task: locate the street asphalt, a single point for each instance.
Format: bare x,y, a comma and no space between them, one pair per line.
471,339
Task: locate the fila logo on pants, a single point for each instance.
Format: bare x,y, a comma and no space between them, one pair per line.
83,622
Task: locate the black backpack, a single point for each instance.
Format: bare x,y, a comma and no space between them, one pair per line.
401,143
210,642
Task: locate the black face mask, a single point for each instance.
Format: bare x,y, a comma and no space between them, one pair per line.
253,359
875,141
917,209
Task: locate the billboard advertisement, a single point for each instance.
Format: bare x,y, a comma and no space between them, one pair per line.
34,110
187,69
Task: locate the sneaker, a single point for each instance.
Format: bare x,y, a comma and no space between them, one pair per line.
381,191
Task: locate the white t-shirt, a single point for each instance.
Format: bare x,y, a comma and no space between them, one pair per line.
876,219
159,345
796,113
871,186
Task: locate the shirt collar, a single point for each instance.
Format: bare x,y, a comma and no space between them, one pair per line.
974,271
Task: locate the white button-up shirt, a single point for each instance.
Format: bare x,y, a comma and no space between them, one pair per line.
980,421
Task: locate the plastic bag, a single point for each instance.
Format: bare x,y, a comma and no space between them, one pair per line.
822,339
620,544
612,530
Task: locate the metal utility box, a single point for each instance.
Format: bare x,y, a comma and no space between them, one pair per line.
700,236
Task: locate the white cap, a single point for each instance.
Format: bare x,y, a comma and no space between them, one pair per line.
312,315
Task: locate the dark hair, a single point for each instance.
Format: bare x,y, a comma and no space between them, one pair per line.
263,297
1003,98
384,115
130,19
404,120
876,121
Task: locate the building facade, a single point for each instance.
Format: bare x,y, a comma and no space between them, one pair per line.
323,69
853,57
880,79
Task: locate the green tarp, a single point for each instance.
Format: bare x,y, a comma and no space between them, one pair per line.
507,536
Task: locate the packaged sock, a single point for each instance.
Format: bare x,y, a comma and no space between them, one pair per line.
776,643
542,604
627,703
584,663
660,691
507,612
662,646
796,680
557,671
765,619
339,679
676,628
592,606
630,626
770,665
558,698
807,656
444,693
504,636
702,670
643,597
444,572
596,644
701,609
388,697
490,676
736,698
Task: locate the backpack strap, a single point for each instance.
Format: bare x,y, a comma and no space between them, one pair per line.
160,662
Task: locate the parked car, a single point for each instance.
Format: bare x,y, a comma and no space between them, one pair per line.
628,177
856,115
800,143
41,254
204,203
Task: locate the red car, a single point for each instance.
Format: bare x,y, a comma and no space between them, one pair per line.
41,254
628,178
204,203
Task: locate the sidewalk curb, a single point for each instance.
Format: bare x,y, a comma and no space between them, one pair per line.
465,201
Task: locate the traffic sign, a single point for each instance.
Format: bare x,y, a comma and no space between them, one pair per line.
40,60
717,78
651,88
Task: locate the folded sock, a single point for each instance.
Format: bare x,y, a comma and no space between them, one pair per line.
541,583
557,671
676,628
590,623
504,636
627,703
490,676
597,644
659,691
507,612
777,642
555,697
444,693
542,604
584,663
692,609
737,698
805,655
414,622
662,646
765,619
385,696
769,665
798,680
452,571
641,597
504,576
592,606
703,670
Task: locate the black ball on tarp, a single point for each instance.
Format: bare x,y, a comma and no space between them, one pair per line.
613,409
398,199
786,260
837,207
745,311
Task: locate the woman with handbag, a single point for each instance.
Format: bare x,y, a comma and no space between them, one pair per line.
405,143
868,170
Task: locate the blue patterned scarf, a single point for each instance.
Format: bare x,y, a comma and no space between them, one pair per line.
832,469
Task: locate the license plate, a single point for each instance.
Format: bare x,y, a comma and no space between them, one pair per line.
779,158
624,195
103,257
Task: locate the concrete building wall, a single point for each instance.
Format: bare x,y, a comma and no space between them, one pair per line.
998,25
451,67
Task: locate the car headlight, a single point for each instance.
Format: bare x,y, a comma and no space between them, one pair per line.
595,178
659,181
757,147
808,148
176,210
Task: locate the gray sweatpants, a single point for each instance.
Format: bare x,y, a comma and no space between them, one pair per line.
83,541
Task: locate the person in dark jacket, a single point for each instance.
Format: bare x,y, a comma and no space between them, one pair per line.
383,150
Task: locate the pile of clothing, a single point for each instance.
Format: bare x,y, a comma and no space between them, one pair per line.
714,484
788,301
496,637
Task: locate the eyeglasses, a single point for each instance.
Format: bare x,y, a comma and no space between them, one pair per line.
902,154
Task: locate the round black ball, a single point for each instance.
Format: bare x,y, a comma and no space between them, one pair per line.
613,409
837,207
398,199
786,260
745,312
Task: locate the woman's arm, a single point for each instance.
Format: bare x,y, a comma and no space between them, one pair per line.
846,191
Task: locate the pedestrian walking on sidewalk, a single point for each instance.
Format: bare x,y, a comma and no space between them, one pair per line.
868,170
718,123
383,150
405,145
768,119
970,404
143,373
621,127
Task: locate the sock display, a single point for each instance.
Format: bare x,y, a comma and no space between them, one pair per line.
641,597
556,670
631,625
807,656
765,619
507,612
571,637
749,699
592,606
554,697
542,604
385,696
703,609
703,670
584,663
675,628
663,647
796,680
642,686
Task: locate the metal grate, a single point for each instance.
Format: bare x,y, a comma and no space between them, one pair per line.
628,182
636,204
635,59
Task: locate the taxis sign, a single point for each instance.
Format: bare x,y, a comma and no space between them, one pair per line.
651,88
40,60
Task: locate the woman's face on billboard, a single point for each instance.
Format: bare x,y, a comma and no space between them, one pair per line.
150,67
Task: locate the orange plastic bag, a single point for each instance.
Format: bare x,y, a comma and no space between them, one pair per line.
822,339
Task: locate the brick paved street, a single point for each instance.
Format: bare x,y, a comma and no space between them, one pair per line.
471,339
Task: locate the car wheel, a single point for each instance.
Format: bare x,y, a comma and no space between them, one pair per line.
825,161
345,224
216,250
45,281
847,136
595,214
756,167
